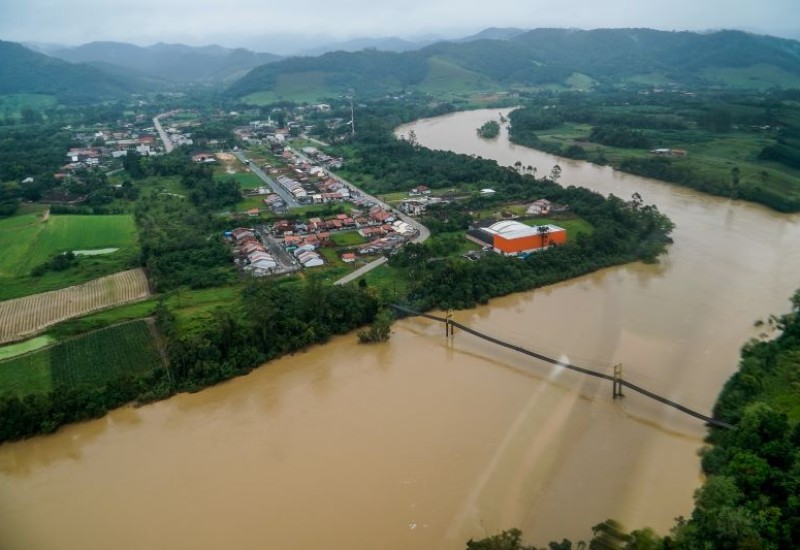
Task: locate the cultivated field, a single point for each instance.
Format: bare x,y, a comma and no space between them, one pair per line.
93,359
28,241
24,317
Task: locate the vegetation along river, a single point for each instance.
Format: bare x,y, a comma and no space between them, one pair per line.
424,443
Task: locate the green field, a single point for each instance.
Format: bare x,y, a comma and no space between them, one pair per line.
12,350
445,76
11,105
301,86
93,359
573,226
247,180
348,238
760,77
27,244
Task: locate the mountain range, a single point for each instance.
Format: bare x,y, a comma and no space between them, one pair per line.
492,60
563,58
169,62
23,71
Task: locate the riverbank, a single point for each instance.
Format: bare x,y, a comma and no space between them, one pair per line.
719,150
426,442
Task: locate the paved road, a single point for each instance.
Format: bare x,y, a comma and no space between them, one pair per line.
422,232
361,271
287,197
168,146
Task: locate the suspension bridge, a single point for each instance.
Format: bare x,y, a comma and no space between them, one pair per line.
616,379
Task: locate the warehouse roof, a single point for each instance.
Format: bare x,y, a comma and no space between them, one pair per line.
510,229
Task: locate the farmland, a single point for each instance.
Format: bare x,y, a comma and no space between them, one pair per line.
93,359
26,316
29,241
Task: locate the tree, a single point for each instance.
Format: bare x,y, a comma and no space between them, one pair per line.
544,231
555,173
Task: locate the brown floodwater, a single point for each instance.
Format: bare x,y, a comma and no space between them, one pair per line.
423,442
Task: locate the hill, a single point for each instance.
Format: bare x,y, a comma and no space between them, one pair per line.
546,57
170,62
23,71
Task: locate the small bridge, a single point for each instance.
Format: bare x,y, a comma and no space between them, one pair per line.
616,379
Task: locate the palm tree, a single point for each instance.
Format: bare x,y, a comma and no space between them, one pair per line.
543,230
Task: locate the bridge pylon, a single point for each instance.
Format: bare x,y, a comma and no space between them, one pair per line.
449,329
616,385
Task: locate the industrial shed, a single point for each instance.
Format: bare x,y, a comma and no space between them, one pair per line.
511,237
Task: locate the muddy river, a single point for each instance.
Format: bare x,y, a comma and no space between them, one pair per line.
423,442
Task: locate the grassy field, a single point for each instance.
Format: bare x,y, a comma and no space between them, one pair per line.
574,226
28,242
7,352
12,104
247,180
392,279
444,76
712,156
303,86
759,76
348,238
93,359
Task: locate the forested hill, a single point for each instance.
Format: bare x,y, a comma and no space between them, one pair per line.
170,62
23,71
545,56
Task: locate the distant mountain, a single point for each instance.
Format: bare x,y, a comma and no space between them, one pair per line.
562,57
494,33
170,62
25,71
391,44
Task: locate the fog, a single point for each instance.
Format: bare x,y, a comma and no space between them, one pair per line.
284,27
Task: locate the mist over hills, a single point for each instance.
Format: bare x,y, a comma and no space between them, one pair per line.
541,57
170,62
491,60
25,71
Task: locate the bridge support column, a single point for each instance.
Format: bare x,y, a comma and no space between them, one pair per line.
616,387
449,329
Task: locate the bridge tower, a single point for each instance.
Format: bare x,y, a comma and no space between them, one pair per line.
449,329
616,387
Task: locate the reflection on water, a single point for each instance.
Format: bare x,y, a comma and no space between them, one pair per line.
424,442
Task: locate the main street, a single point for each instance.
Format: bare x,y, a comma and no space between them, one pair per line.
422,232
168,146
287,197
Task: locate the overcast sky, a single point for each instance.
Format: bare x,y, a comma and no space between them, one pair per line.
241,22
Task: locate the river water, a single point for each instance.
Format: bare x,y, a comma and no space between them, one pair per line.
423,442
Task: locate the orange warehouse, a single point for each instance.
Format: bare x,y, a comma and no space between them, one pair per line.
511,238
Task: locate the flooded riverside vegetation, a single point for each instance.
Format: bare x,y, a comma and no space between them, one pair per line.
421,442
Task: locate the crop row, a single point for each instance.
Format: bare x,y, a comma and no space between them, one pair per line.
24,317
